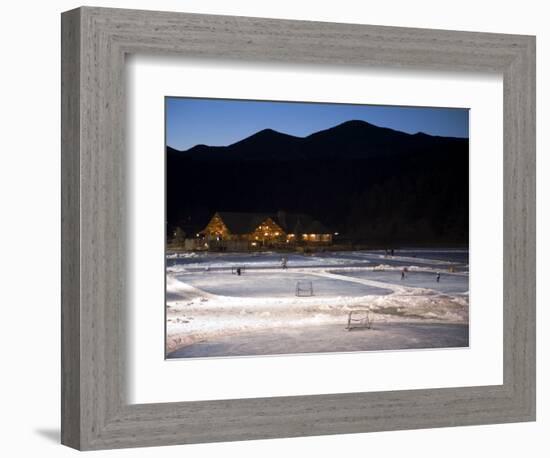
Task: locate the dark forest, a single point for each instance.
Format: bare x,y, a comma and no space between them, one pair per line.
371,185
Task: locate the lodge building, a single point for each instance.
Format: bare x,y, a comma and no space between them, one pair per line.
249,231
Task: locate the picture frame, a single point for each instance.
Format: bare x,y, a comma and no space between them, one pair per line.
95,410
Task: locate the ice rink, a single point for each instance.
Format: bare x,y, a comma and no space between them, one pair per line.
274,283
455,283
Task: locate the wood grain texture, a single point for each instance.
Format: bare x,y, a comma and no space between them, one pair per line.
70,229
96,414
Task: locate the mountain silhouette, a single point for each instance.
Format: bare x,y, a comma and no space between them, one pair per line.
352,139
370,183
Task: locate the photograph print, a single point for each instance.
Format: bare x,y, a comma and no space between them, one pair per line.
296,228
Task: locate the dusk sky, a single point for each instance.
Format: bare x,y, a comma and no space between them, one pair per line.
220,122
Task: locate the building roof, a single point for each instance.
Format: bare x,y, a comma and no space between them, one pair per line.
242,223
300,223
291,223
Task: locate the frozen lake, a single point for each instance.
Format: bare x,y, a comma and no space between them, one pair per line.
212,311
436,259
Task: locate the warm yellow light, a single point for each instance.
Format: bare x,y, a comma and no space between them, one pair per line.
276,233
266,234
253,243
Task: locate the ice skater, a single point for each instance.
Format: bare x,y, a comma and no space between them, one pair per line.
438,277
403,273
284,261
238,271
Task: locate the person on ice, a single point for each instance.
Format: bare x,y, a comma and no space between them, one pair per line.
284,261
437,277
239,271
403,274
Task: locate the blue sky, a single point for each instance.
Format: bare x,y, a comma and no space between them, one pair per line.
220,122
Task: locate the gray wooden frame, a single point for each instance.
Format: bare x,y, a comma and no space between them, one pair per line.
95,413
